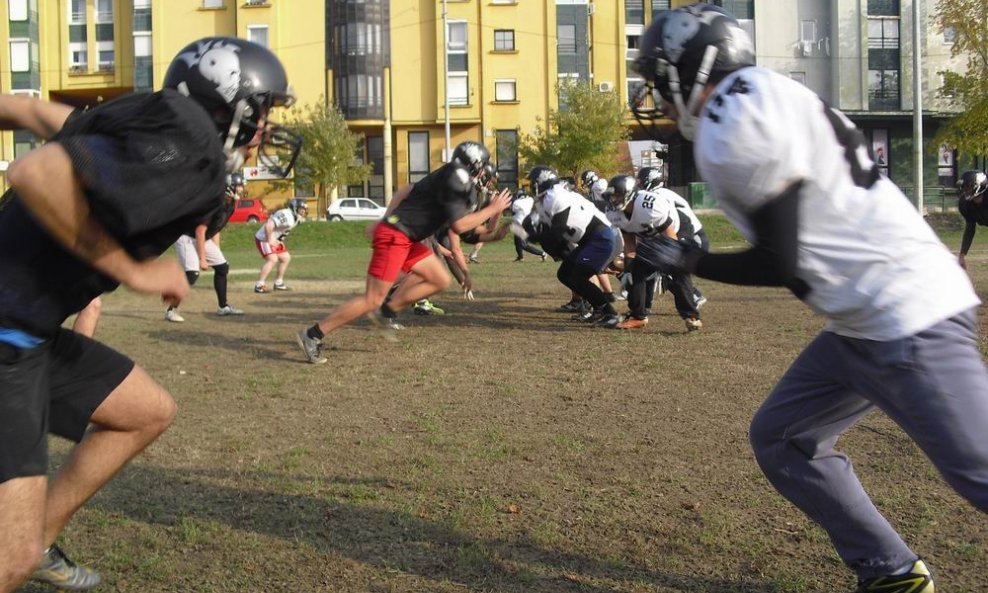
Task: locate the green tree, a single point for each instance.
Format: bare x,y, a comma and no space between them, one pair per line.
585,133
327,159
968,19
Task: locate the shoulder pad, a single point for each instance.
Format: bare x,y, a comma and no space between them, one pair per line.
458,179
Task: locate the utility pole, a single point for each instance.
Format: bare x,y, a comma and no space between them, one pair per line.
446,152
917,108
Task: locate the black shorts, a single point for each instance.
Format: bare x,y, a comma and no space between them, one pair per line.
54,387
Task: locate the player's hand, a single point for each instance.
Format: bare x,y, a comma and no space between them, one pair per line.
468,294
203,265
672,256
467,287
961,260
501,201
157,276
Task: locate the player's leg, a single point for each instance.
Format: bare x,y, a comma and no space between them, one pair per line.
428,277
935,387
22,511
793,436
284,258
270,261
123,407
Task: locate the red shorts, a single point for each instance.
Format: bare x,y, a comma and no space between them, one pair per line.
394,252
265,248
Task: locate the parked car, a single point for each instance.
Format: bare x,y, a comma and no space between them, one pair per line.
249,211
354,209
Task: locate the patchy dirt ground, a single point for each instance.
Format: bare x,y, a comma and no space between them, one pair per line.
501,447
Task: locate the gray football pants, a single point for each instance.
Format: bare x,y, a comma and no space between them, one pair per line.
933,385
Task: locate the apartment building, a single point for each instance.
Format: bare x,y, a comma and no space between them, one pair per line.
403,72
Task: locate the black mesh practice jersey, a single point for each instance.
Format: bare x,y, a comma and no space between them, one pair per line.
974,214
442,197
152,168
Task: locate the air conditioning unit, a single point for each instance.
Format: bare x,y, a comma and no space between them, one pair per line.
605,87
806,48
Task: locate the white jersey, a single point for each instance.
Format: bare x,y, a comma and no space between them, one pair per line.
521,208
652,212
683,207
284,221
581,213
874,267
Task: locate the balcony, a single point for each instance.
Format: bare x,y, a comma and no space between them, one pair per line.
107,67
258,3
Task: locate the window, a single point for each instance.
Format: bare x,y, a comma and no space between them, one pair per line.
504,40
883,33
375,156
20,55
418,155
949,35
883,64
457,80
799,77
212,3
17,10
78,56
258,34
105,55
104,11
883,7
506,147
741,9
659,6
634,12
504,90
77,12
567,39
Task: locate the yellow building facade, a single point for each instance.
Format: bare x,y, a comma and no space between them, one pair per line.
391,66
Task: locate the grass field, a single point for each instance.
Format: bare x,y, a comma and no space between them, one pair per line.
498,448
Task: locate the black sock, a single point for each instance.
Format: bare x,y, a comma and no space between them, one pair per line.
610,297
387,311
315,333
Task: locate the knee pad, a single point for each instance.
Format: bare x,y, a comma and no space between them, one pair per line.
222,270
191,276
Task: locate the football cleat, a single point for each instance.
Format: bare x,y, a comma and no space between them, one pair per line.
633,323
544,256
608,320
173,316
260,288
916,580
311,348
280,286
56,569
693,324
229,310
387,326
572,307
426,307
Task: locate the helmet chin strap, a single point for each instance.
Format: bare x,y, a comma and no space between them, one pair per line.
686,111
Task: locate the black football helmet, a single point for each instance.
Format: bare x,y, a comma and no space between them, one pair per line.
472,155
972,184
541,179
679,52
238,82
234,181
299,207
650,178
588,178
620,191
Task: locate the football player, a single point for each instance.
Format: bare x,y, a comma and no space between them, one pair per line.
575,229
200,250
690,228
594,185
902,332
521,207
971,204
270,242
416,212
112,188
643,217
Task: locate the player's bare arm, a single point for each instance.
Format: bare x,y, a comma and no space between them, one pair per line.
42,118
46,182
201,246
471,221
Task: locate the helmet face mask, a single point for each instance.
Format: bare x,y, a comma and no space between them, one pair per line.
238,82
681,50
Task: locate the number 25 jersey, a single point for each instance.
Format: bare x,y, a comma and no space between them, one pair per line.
875,269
